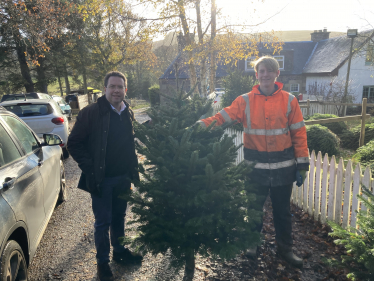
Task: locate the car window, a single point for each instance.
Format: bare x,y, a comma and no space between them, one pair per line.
28,109
57,106
8,98
23,133
45,96
8,150
60,101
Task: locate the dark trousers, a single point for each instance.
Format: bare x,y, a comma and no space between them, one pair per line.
110,211
280,200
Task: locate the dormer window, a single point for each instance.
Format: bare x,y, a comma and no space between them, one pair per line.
280,60
249,60
370,54
248,63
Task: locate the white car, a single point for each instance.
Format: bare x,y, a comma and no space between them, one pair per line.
216,97
44,116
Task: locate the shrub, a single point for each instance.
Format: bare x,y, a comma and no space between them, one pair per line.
350,138
322,139
359,243
154,95
336,127
365,155
236,83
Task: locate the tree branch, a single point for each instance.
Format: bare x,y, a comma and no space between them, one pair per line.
253,25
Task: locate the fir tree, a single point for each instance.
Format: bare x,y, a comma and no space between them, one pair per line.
193,198
359,243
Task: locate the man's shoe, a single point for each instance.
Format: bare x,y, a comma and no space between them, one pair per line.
127,257
291,258
251,253
104,273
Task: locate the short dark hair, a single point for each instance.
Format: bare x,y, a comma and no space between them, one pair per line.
117,74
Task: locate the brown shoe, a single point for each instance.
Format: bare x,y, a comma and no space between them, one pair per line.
104,273
127,257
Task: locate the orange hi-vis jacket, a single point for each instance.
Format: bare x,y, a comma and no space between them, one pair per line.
274,134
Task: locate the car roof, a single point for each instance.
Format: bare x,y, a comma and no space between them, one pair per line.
34,101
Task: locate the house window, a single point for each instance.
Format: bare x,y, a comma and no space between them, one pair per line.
368,93
280,60
294,88
370,54
248,63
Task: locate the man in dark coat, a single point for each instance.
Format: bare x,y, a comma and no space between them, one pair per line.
102,143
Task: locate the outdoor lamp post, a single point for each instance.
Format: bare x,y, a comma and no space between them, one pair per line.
351,33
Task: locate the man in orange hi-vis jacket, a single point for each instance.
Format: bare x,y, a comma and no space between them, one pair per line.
275,141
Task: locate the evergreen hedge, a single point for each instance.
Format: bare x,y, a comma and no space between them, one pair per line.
350,138
336,127
365,155
154,95
236,83
322,139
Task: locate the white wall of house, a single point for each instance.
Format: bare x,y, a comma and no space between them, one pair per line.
315,80
360,74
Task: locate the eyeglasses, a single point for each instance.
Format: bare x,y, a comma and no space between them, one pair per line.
119,87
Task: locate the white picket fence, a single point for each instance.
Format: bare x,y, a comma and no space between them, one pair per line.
320,107
238,140
330,189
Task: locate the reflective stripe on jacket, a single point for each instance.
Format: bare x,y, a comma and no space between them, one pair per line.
274,134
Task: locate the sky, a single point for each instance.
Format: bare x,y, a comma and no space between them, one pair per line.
335,15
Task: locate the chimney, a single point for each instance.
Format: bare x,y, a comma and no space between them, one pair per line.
319,35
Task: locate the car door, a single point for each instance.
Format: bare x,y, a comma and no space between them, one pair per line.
21,182
47,159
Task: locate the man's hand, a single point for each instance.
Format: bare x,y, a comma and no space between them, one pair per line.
300,177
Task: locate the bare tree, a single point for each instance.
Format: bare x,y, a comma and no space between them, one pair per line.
332,91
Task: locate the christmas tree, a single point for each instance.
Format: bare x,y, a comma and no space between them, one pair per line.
359,243
193,198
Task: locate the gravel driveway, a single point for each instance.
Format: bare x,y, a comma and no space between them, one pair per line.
67,250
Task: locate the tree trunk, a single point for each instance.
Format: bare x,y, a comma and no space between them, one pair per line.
187,38
42,85
189,269
25,70
203,70
84,74
59,82
67,83
213,61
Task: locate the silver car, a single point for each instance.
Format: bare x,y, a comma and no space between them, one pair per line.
44,116
32,181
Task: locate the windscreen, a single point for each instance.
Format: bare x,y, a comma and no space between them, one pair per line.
23,110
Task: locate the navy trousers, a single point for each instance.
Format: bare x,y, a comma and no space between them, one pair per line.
110,211
280,200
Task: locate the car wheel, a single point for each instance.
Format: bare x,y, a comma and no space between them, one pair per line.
65,153
12,263
63,195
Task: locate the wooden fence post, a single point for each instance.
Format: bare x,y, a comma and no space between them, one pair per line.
308,108
363,116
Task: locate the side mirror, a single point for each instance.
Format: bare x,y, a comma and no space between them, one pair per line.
51,139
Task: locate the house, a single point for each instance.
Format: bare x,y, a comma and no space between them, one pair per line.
309,67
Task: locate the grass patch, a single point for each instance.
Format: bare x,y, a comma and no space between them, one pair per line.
141,105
